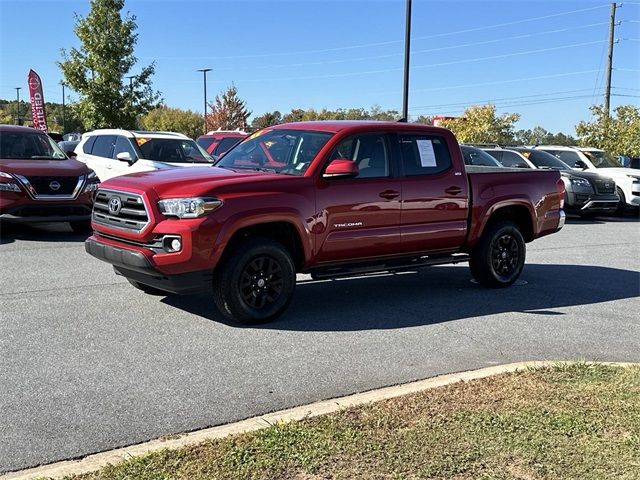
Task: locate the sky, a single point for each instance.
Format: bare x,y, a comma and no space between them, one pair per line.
542,59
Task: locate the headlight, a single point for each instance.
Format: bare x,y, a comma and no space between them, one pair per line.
5,175
9,187
188,207
580,182
91,175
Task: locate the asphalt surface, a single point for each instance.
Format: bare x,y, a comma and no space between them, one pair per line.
88,363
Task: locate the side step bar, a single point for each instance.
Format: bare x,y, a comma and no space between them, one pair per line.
322,273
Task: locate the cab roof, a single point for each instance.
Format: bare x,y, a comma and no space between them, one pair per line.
335,126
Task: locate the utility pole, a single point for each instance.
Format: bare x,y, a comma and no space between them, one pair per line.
607,91
204,72
131,77
407,49
64,114
18,105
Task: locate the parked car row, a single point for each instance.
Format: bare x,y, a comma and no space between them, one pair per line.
595,184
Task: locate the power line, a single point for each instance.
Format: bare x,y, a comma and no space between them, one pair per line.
390,42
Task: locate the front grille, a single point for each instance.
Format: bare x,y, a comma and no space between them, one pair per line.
42,185
131,215
605,186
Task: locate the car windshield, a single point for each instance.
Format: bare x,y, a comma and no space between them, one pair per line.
601,159
281,151
29,146
172,150
475,156
544,160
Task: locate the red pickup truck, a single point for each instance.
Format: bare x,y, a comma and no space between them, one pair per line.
325,198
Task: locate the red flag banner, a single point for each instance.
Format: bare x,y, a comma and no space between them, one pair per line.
37,102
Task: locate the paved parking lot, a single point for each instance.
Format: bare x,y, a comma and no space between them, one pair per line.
88,363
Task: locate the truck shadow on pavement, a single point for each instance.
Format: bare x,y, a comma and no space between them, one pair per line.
433,295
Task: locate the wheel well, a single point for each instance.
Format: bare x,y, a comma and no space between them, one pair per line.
518,214
282,232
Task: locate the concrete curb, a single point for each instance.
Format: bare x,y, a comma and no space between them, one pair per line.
98,460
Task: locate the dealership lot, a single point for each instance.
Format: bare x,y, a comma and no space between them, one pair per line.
89,363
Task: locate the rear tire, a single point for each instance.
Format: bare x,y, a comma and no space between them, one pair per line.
255,283
498,258
147,289
81,227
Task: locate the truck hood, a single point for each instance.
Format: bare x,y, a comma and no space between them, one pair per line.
586,174
60,168
188,182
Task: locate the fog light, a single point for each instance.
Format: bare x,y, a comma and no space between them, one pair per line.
172,244
176,244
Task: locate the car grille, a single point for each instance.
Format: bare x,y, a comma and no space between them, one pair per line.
42,185
132,214
605,186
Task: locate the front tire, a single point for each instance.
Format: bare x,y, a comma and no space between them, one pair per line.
255,283
498,258
622,203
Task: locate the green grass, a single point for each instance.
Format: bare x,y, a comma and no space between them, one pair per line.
567,422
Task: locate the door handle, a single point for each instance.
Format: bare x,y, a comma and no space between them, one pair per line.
390,194
453,190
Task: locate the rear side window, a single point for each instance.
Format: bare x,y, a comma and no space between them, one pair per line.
513,160
88,145
225,144
424,154
103,147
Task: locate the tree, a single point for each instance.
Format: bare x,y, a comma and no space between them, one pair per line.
266,120
618,134
480,124
173,120
228,112
97,70
424,120
540,136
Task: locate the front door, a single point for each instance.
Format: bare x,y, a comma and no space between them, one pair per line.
359,217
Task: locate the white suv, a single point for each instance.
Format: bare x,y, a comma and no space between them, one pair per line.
585,158
113,152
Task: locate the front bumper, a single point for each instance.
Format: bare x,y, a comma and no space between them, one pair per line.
582,203
31,213
137,266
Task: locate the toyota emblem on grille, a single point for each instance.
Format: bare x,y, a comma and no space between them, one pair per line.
55,186
115,204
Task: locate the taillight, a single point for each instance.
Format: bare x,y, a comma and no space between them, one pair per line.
560,189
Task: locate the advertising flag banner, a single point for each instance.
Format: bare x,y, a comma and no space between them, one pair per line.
37,102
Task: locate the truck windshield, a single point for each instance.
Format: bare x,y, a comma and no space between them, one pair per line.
281,151
29,146
172,150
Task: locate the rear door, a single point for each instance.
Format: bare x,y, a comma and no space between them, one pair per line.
435,196
362,214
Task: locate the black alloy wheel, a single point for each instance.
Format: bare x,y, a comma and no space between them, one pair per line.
505,254
261,282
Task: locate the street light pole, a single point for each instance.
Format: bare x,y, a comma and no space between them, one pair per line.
407,49
18,105
64,114
204,72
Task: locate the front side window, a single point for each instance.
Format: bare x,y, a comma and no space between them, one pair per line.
567,156
424,154
281,151
124,145
601,159
29,146
172,150
368,151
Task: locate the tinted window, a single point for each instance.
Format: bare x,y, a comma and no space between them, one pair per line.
544,159
124,145
225,144
103,147
424,155
370,152
513,160
172,150
205,142
567,156
475,156
88,145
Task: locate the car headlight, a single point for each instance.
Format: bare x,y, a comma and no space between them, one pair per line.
91,176
6,186
188,207
580,182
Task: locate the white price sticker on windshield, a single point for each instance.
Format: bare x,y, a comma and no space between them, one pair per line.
427,155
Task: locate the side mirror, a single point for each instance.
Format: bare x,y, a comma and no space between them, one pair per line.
125,157
580,164
341,168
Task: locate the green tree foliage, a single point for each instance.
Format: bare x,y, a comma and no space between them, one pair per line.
376,113
54,115
266,120
97,70
618,134
228,111
541,136
168,119
424,120
480,124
